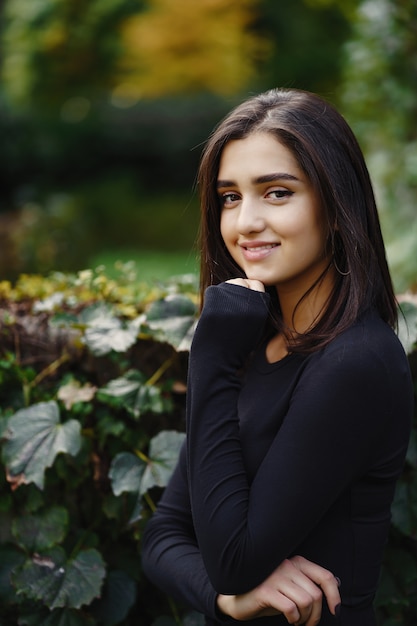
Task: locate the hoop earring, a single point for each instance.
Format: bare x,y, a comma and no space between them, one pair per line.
338,270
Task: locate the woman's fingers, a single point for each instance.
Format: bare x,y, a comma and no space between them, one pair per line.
305,596
250,283
322,577
294,589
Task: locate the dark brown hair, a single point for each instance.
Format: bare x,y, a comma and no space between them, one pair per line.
327,151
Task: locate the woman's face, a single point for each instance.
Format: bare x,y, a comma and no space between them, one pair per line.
271,220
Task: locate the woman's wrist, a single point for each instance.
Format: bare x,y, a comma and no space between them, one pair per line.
224,604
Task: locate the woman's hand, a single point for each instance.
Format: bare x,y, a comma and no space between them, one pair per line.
250,283
294,589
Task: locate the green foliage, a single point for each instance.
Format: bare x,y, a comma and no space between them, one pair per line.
397,595
85,167
306,39
90,433
92,401
379,98
55,47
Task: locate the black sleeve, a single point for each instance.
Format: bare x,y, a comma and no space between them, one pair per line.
170,556
327,438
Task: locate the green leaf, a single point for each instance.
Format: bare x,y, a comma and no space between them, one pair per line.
96,314
126,472
175,305
136,511
34,438
3,425
412,449
163,454
106,332
58,582
407,326
150,399
123,388
10,558
172,319
36,533
133,393
63,319
118,597
404,507
5,527
108,425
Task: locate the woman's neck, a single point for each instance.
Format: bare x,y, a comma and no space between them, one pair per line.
300,311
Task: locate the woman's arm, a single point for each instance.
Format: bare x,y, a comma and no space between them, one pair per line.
170,555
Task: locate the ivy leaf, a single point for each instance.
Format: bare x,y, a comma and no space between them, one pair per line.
124,388
34,437
118,597
105,332
10,558
36,533
407,325
136,512
175,305
58,582
404,507
172,319
133,393
126,472
412,449
125,475
164,450
131,474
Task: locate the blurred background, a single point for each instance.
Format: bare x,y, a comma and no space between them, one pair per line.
105,106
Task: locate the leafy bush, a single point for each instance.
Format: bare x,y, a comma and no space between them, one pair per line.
92,387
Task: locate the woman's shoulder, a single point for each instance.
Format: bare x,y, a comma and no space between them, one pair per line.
368,342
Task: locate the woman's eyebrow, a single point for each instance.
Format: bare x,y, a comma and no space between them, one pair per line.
266,178
270,178
225,183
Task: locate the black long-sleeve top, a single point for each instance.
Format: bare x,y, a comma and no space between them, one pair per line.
300,456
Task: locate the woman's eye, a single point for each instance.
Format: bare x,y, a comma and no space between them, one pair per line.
228,198
278,194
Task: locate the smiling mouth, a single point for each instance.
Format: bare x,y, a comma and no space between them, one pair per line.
254,248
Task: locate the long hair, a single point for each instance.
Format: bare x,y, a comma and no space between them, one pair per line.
328,153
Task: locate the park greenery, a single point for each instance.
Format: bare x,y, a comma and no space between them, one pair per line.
104,108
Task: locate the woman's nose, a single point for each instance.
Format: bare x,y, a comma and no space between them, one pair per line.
250,218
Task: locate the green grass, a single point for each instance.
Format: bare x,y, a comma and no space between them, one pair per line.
150,264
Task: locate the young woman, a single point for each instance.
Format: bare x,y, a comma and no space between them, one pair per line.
299,396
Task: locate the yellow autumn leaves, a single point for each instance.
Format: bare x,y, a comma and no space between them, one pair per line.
53,49
189,46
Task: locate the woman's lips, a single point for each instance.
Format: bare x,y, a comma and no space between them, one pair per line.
253,251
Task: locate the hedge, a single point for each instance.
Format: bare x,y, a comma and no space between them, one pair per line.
92,388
